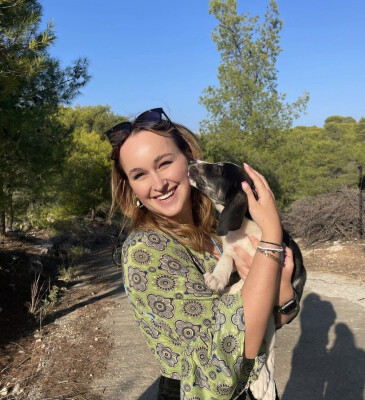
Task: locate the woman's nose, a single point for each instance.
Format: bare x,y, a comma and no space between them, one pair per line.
159,183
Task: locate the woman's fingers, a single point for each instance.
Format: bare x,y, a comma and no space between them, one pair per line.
242,261
263,208
288,259
243,255
254,241
259,180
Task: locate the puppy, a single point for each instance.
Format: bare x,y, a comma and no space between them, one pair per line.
221,183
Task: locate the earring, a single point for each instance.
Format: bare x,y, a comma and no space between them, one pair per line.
136,203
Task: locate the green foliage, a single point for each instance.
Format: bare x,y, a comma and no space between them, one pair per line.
96,119
42,300
66,273
87,167
33,142
310,161
246,110
340,120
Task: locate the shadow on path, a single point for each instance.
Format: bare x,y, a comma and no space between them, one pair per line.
151,392
319,373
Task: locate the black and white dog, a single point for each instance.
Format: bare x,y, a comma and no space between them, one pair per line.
221,182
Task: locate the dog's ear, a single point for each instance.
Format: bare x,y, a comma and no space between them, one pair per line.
232,216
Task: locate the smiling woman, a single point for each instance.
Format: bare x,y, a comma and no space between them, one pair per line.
150,178
209,345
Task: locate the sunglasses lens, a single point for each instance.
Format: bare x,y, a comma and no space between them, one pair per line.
150,116
116,133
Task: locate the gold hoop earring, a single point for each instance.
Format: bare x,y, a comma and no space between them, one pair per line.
136,202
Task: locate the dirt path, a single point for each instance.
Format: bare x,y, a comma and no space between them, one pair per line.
92,348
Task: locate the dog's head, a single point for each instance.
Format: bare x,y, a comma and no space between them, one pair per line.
221,182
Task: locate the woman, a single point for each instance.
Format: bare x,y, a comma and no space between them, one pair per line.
209,345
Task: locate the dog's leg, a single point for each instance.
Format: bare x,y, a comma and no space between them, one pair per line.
219,279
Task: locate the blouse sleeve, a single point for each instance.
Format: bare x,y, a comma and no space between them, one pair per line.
197,335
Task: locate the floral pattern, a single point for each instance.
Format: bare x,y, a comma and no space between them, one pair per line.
166,354
196,334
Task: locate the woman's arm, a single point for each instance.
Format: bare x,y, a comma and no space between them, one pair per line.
285,291
261,286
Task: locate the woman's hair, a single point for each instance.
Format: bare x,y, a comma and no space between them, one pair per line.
142,218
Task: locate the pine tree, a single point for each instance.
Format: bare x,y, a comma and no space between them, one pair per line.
32,86
246,111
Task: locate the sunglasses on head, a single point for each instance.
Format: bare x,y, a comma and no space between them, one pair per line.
151,118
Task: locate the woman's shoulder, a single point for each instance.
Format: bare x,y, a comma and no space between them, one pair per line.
152,239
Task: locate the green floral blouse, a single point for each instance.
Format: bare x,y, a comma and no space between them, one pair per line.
196,334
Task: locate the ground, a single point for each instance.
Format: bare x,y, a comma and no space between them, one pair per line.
62,358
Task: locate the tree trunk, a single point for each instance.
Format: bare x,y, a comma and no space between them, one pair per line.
11,212
2,223
93,214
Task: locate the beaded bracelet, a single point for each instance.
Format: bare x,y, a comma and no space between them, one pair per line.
277,259
274,250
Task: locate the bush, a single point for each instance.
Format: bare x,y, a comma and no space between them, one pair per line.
330,216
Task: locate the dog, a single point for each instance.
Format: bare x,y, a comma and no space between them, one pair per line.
221,183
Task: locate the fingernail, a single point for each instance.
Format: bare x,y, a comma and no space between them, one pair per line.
245,185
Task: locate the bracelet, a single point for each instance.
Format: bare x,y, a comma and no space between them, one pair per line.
265,253
275,244
279,250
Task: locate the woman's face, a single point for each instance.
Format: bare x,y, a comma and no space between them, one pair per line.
158,174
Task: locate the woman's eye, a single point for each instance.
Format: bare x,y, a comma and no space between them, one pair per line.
137,176
165,163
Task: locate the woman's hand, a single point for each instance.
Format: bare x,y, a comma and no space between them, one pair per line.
263,210
285,291
242,259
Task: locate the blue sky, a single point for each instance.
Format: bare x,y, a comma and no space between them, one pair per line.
146,54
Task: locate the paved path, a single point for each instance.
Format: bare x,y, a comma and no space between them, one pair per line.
320,355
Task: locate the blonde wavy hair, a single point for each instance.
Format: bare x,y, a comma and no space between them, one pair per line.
123,196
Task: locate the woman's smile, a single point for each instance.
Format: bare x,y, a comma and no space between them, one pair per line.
168,196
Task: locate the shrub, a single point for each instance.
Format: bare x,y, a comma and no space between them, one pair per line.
330,216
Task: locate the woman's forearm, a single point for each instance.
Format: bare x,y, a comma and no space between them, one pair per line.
259,294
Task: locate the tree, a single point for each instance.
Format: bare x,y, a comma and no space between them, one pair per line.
87,166
246,111
318,160
87,169
96,119
32,86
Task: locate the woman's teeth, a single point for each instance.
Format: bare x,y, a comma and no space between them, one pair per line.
165,196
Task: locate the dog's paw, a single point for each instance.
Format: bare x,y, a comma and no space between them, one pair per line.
213,282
